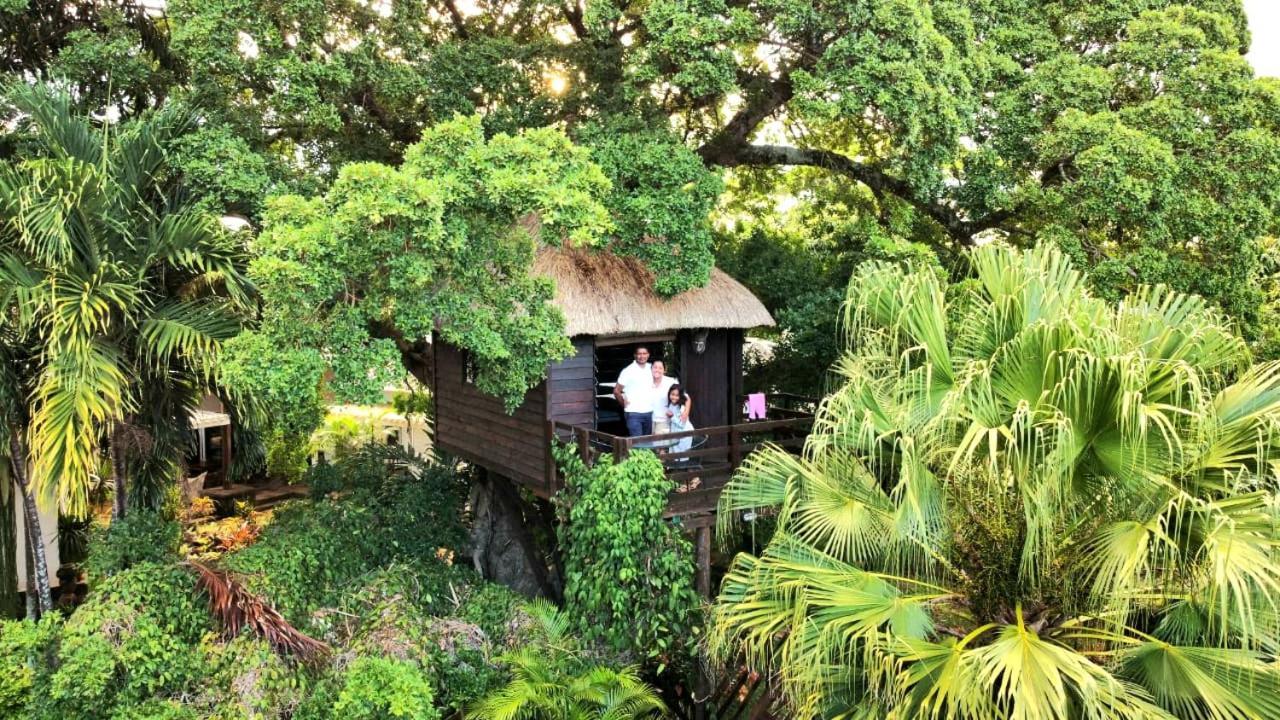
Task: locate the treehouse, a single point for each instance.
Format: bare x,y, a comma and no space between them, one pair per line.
610,307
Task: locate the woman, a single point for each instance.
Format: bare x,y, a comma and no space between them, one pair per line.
678,406
661,384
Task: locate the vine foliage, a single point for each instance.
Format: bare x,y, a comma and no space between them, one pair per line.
628,572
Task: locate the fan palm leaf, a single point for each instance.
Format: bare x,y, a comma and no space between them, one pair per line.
1022,502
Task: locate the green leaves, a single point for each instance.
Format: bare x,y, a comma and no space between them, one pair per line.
121,294
1023,502
628,571
388,256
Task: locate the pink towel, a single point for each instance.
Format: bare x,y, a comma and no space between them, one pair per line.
755,406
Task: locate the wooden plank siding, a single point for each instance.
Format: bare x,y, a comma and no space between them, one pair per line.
476,427
571,386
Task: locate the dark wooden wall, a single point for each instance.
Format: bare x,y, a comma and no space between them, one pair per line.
476,427
571,385
714,378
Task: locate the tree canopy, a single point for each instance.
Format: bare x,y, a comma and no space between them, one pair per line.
1132,132
352,282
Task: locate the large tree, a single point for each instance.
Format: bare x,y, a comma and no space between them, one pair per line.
354,282
1130,131
1024,501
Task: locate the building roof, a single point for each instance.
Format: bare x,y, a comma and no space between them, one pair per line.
605,294
200,419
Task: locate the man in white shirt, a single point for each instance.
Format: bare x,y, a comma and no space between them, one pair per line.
634,392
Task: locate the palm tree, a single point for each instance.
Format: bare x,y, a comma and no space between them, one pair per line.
125,285
17,364
554,682
1022,502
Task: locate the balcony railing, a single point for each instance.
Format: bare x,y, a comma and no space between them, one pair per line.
701,470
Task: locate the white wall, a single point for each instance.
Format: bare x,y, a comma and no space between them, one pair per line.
48,510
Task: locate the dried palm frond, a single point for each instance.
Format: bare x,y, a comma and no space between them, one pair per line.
236,608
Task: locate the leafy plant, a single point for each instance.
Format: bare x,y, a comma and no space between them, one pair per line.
378,688
556,679
129,287
1024,501
25,661
135,638
140,537
628,572
395,508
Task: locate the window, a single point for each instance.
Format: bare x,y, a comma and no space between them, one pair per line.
393,436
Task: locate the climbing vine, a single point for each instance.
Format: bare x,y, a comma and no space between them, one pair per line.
628,572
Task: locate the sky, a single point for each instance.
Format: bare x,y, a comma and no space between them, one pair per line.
1264,22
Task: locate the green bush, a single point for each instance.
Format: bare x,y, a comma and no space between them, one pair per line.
369,573
419,612
142,536
628,572
247,679
137,637
393,508
377,688
286,456
25,660
157,710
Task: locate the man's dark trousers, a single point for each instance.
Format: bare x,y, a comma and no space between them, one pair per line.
639,424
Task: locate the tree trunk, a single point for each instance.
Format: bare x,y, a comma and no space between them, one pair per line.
503,549
35,538
33,604
120,500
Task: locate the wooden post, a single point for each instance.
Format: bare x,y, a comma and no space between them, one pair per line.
735,447
583,438
548,442
621,449
702,544
226,454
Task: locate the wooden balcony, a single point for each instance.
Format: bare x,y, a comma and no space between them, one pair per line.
701,471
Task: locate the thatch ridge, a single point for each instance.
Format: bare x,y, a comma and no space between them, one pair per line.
601,293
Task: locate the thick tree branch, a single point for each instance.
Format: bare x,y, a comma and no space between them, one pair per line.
459,25
573,15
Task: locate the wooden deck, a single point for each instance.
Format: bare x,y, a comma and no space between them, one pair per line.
701,472
263,496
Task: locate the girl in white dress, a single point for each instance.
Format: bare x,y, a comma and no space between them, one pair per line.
678,406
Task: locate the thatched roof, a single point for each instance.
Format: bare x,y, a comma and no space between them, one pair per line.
604,294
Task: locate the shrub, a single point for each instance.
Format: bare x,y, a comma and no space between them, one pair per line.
142,536
408,613
135,638
25,659
286,456
376,688
628,572
247,679
396,508
308,556
157,710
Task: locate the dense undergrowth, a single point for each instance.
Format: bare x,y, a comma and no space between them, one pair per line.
366,567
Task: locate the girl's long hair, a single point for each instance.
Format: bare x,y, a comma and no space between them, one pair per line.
683,398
